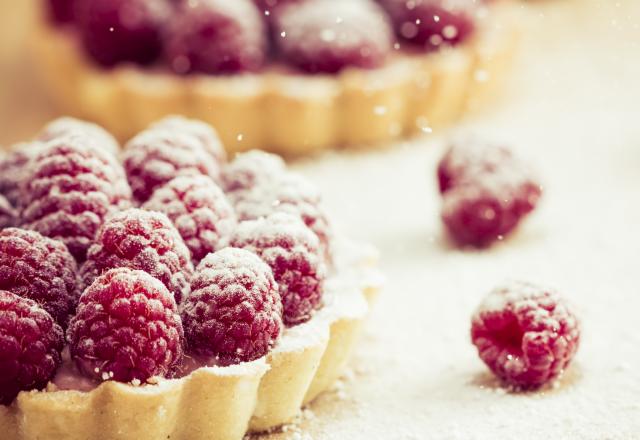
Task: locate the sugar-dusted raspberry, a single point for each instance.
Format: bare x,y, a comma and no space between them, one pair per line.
69,190
14,168
199,210
234,312
30,346
319,36
157,155
115,31
250,170
215,36
292,194
8,214
60,11
293,252
488,207
64,126
127,329
525,334
204,132
432,24
41,269
141,240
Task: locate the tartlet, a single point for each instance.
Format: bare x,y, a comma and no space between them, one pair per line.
279,108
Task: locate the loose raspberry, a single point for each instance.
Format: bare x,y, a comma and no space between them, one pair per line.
14,169
432,23
157,155
8,215
234,312
115,31
30,346
60,11
69,126
216,36
69,190
40,269
204,132
525,334
127,329
293,252
199,210
291,194
141,240
250,170
324,37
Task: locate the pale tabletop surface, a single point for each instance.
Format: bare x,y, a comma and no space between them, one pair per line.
571,108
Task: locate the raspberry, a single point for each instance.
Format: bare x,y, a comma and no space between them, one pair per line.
525,334
250,170
70,188
216,36
115,31
141,240
293,253
291,194
204,132
322,37
61,11
199,210
8,215
432,23
234,312
13,169
69,126
40,269
127,329
270,7
30,346
157,155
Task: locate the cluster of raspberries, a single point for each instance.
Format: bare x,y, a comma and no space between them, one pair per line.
134,262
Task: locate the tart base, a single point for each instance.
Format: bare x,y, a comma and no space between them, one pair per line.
284,112
211,402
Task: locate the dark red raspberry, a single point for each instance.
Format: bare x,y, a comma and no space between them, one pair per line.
250,170
13,169
525,334
322,37
8,214
234,312
69,126
61,11
41,269
293,252
127,329
204,132
199,210
115,31
69,190
291,194
215,36
141,240
30,346
157,155
432,23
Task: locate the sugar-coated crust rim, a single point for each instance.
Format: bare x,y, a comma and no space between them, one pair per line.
284,112
210,403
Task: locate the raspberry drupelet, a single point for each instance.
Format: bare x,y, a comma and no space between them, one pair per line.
8,214
30,348
141,240
202,131
199,210
13,169
70,188
321,36
41,269
157,155
234,313
127,329
293,252
215,37
526,334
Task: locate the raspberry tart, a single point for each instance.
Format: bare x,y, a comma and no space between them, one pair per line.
178,318
291,76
